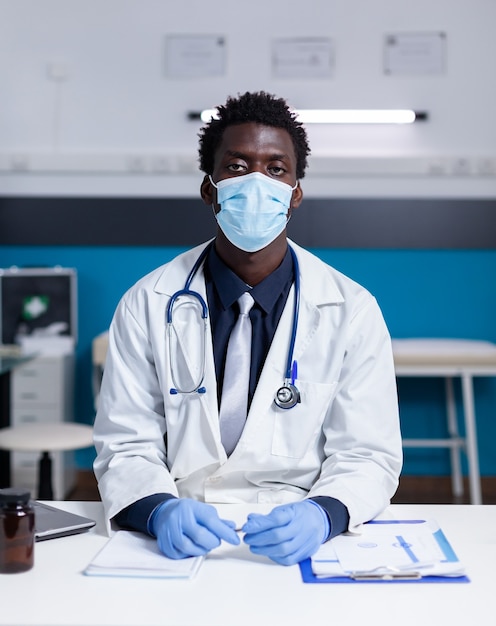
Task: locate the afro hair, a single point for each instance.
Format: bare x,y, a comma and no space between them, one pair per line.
260,108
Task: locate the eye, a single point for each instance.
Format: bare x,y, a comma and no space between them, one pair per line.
275,170
236,167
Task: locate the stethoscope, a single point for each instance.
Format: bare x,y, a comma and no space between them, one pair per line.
288,395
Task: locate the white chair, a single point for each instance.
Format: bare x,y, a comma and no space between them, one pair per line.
449,359
46,437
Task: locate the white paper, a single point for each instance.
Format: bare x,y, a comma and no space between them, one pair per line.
195,56
415,53
56,345
134,554
389,548
303,58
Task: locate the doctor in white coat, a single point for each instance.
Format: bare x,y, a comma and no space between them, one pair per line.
328,463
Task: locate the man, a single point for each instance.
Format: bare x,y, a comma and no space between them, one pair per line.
326,452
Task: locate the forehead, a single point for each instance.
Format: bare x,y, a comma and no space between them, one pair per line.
256,140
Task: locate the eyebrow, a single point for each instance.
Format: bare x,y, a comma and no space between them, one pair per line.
277,156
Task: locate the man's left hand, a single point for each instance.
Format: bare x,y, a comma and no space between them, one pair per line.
290,533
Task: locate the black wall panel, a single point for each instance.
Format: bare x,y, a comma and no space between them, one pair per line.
326,223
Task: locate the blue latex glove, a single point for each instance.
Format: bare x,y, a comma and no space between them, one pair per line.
185,527
290,533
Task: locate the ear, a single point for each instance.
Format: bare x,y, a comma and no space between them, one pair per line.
207,191
296,198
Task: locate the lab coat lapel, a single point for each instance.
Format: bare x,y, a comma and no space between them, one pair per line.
189,333
186,333
274,370
317,289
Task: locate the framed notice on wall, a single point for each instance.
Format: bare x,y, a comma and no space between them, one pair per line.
311,57
195,56
415,53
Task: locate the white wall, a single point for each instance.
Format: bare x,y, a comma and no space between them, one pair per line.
120,123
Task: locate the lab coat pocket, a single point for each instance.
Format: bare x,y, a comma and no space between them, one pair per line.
297,431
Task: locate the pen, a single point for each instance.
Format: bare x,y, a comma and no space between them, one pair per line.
391,572
294,372
386,576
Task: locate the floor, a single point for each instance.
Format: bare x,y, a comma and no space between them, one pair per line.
412,490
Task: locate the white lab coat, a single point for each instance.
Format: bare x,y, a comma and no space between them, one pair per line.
343,439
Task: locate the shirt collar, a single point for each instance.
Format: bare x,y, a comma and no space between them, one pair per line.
230,287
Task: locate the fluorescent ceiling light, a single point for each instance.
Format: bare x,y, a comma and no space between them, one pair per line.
356,116
208,114
343,116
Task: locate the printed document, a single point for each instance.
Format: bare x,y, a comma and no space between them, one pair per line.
389,547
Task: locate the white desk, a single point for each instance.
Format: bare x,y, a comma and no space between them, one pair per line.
234,589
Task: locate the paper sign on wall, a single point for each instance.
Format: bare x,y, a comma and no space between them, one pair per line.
302,58
195,56
415,53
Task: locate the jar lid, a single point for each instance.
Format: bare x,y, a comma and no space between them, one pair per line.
12,495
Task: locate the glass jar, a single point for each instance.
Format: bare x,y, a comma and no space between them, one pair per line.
16,531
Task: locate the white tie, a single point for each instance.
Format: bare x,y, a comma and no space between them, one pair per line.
234,401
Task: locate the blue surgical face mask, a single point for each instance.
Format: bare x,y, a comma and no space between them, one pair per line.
253,209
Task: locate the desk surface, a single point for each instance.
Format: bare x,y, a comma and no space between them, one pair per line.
234,588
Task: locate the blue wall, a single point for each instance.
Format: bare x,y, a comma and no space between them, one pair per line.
423,293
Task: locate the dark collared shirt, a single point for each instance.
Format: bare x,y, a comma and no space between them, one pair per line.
223,290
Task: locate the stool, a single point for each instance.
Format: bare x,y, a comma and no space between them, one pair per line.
46,437
450,358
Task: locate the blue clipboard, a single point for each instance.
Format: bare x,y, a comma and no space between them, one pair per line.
308,575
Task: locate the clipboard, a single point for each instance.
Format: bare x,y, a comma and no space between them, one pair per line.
391,532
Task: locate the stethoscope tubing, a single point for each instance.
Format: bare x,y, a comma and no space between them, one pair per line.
291,365
186,291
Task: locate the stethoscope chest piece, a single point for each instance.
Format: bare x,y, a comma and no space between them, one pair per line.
287,396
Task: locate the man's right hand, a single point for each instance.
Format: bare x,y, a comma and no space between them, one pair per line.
185,527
